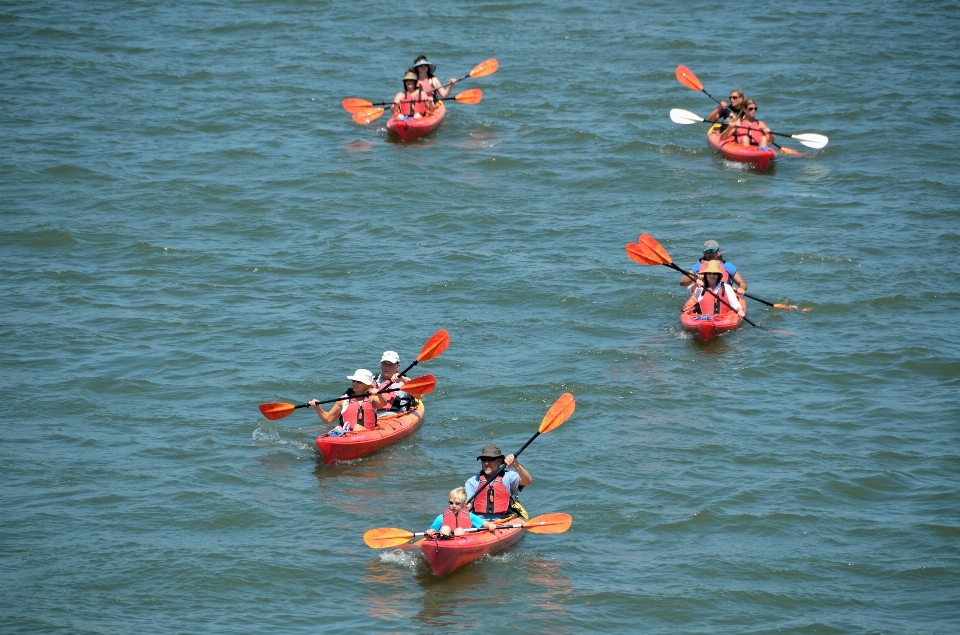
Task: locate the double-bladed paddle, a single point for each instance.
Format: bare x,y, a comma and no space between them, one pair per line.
809,139
559,412
686,77
392,537
368,114
364,111
649,252
437,343
417,387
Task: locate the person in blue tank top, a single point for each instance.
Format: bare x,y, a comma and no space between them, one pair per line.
711,251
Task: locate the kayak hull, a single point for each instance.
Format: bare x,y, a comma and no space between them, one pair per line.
732,151
707,327
354,445
446,556
410,128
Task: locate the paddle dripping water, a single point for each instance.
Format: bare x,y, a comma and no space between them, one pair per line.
192,225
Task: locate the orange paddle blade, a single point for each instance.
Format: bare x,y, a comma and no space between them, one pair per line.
488,67
386,537
653,250
559,412
420,386
636,253
686,77
276,410
434,346
791,307
785,150
549,524
354,104
366,116
472,96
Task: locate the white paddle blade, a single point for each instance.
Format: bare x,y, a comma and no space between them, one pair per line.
812,140
678,115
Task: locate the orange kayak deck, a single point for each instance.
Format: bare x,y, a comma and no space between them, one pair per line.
356,444
411,128
707,327
448,555
732,151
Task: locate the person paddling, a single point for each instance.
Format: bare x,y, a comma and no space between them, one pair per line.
724,110
713,277
353,411
389,377
498,499
455,519
427,82
747,130
711,251
411,101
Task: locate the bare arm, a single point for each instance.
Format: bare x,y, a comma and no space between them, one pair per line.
525,477
327,416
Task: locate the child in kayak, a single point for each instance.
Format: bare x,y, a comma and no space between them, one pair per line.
455,519
748,131
353,410
427,82
411,101
702,302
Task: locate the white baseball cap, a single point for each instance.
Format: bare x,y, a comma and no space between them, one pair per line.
362,375
390,356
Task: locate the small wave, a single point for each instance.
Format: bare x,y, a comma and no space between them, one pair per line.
407,559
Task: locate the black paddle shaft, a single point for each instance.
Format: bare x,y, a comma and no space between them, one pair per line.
366,394
503,468
710,291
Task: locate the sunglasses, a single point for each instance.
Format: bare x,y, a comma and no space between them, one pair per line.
710,251
735,97
489,459
751,107
455,502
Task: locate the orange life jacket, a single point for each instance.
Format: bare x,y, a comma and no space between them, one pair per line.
459,520
413,105
426,85
358,414
494,499
387,396
750,130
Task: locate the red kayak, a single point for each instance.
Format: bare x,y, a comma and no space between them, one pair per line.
732,151
355,444
408,128
707,327
450,554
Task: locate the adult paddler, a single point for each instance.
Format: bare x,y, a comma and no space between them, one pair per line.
711,251
724,110
427,82
748,130
358,407
390,377
498,499
411,101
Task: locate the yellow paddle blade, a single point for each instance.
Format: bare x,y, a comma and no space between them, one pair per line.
354,104
559,412
488,67
637,253
276,410
366,116
653,250
549,524
420,386
386,537
686,77
472,96
434,346
791,307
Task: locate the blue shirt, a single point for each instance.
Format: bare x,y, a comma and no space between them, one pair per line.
731,269
475,520
511,480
